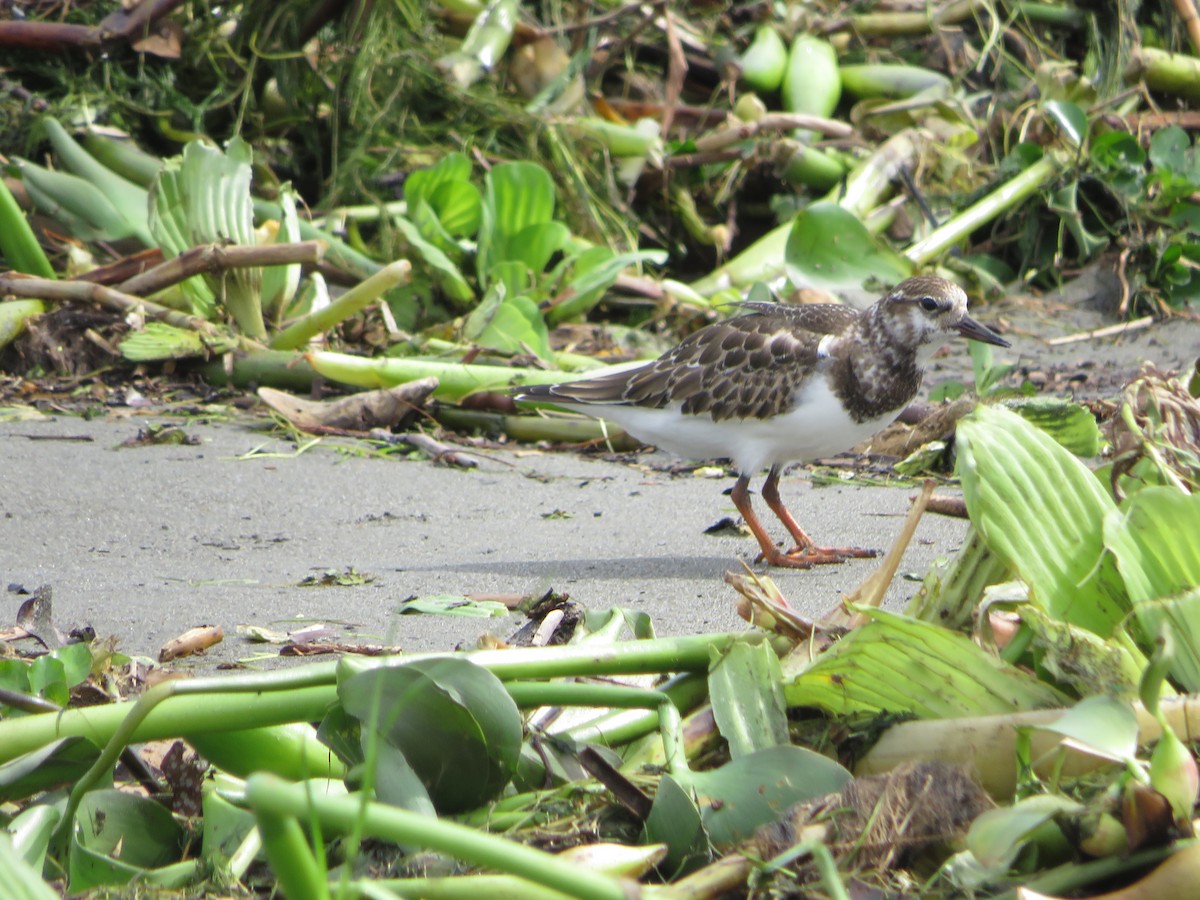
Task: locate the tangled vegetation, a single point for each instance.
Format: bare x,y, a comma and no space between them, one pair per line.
467,196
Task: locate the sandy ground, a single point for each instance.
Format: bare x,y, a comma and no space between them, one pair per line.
144,542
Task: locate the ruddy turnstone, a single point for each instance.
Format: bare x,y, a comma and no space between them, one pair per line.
778,384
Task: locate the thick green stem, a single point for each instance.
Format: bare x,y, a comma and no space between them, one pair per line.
350,303
1009,195
345,814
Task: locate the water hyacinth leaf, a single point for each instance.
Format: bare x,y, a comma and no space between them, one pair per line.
997,836
224,826
21,877
31,830
453,721
1155,537
747,699
829,248
751,791
675,821
897,664
1081,660
446,274
397,783
1041,511
1070,119
1069,423
75,202
279,283
62,761
143,832
204,197
592,273
516,195
447,190
1102,726
511,324
533,246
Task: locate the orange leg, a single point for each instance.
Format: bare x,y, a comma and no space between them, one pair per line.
806,553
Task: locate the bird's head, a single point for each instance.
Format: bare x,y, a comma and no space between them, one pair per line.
925,311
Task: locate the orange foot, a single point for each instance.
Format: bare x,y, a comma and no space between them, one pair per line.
807,557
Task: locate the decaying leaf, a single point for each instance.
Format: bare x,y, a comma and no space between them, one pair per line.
194,640
384,408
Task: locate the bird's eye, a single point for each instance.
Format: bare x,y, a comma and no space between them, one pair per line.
928,304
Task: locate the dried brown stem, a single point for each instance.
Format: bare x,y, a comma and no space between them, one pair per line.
19,285
217,258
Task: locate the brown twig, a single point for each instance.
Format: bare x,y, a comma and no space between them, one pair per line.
18,285
217,258
121,25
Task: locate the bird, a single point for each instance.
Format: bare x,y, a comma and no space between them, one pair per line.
780,383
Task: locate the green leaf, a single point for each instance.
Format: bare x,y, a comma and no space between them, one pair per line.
1155,537
509,324
592,273
516,195
459,207
453,721
1070,119
447,275
747,699
997,835
746,793
453,605
143,832
1071,424
453,168
1041,511
1102,726
901,665
21,878
829,248
59,762
204,197
533,246
674,820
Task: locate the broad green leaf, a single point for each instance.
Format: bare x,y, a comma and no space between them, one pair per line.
224,825
1081,660
1041,511
592,273
674,820
398,784
511,324
747,699
1069,423
532,246
901,665
450,169
75,202
48,679
997,836
31,830
1102,726
516,195
204,197
143,832
21,878
447,275
59,762
1155,536
828,247
751,791
1070,118
459,207
457,727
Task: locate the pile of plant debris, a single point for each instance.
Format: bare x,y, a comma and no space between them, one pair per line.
450,199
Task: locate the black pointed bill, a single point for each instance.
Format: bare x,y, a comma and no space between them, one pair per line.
969,328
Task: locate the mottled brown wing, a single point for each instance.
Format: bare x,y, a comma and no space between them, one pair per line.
747,367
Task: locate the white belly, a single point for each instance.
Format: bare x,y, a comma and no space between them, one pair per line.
818,426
